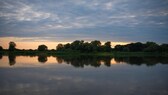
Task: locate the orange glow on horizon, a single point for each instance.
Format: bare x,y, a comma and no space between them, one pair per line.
4,42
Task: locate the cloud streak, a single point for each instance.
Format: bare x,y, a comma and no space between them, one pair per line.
21,12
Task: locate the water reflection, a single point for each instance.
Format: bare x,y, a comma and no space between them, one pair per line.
12,59
59,59
1,56
42,58
82,61
62,79
149,61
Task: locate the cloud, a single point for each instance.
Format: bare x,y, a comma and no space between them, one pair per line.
85,19
110,5
21,12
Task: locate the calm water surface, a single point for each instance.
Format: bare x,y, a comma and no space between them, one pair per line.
83,75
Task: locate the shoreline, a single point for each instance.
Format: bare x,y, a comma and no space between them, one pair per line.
76,53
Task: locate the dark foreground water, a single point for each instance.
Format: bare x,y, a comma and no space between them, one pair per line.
83,75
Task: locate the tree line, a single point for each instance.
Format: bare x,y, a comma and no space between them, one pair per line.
97,46
80,45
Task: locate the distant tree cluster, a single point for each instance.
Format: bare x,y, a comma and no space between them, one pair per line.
12,46
42,48
80,45
142,47
96,46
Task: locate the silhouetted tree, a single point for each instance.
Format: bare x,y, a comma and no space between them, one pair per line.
12,46
87,47
147,44
77,45
42,48
118,48
164,47
67,46
151,47
60,47
107,46
134,47
96,45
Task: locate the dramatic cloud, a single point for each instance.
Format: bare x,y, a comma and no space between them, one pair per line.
68,20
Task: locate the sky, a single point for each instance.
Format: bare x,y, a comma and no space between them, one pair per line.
30,23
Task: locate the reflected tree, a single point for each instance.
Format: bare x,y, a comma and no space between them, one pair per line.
12,59
81,61
97,61
59,59
148,61
134,60
1,48
118,59
42,58
1,56
107,61
164,60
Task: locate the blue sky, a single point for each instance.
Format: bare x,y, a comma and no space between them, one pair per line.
69,20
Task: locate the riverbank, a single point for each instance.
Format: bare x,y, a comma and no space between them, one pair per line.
76,53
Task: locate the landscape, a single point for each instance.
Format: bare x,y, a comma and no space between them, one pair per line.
79,47
83,47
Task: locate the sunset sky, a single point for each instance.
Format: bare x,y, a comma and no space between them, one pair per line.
30,23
